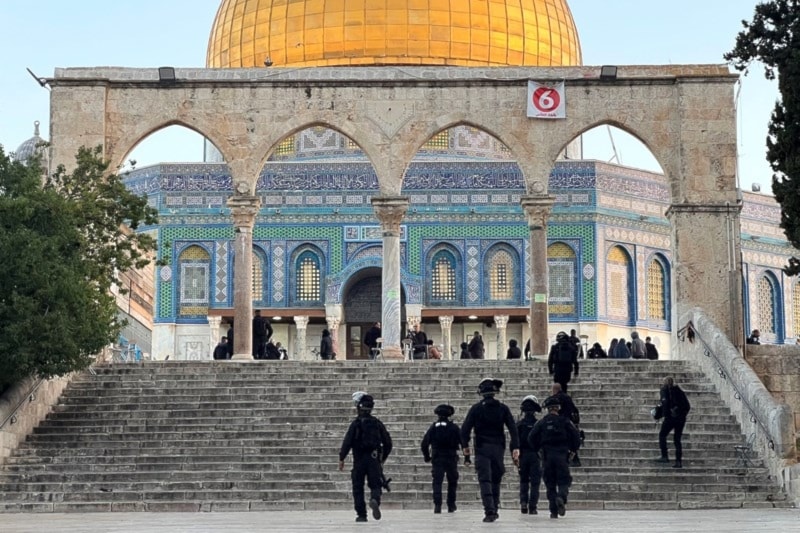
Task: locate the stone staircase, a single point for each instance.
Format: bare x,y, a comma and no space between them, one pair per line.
225,436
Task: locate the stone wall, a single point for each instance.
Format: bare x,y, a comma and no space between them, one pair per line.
34,404
778,366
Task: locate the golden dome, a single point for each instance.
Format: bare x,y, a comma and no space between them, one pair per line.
474,33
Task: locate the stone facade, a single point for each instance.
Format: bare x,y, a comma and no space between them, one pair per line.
779,370
684,114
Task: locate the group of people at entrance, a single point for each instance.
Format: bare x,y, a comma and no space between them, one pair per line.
541,449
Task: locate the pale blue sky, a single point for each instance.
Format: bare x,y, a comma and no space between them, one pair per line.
46,34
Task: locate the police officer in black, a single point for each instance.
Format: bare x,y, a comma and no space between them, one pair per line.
371,445
530,466
487,418
444,438
556,438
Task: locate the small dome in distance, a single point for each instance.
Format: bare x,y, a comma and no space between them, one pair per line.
31,147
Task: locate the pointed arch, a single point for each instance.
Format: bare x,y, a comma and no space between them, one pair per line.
562,270
658,294
153,128
194,265
501,266
259,277
619,291
770,308
443,266
305,286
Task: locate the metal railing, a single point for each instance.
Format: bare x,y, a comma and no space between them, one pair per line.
28,398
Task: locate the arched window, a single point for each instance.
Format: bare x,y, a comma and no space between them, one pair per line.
767,317
308,285
443,277
501,268
618,283
656,291
194,263
258,277
561,265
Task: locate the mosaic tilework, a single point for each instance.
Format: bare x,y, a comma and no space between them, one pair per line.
473,272
584,237
278,272
221,272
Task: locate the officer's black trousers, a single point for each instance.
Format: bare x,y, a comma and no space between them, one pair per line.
556,477
490,470
370,468
530,476
441,467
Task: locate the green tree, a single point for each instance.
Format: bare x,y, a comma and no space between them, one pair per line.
64,241
773,38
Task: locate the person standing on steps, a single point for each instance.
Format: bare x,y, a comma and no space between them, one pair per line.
262,332
638,346
556,438
530,466
221,350
371,339
371,445
488,418
475,346
562,359
326,352
675,408
651,350
440,447
230,340
419,342
513,351
569,411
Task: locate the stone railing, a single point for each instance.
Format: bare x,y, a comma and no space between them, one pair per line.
772,422
778,366
23,407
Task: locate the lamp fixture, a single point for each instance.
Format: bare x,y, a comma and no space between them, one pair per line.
472,317
608,72
166,75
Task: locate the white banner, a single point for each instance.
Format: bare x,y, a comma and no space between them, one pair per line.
546,101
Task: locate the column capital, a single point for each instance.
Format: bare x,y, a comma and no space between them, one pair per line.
446,321
244,210
301,322
390,211
537,208
501,321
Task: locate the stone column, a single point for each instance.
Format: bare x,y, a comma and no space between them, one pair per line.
333,321
446,322
244,210
525,341
301,350
706,265
390,212
501,321
537,208
213,332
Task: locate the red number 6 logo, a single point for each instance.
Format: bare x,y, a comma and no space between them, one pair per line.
546,100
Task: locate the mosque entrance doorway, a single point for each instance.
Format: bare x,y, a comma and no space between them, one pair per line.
362,308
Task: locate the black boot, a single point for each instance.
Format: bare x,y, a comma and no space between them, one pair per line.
437,509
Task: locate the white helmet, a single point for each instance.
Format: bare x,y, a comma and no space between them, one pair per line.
357,397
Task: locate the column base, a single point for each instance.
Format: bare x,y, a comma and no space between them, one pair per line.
392,353
242,357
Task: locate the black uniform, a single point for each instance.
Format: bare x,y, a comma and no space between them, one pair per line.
444,438
488,418
371,445
555,437
563,357
571,413
530,466
262,332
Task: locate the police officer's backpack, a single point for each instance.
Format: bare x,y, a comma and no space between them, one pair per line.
368,434
554,432
564,353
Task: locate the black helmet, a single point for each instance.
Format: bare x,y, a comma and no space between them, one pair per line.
552,401
357,397
561,336
444,410
530,404
366,403
489,386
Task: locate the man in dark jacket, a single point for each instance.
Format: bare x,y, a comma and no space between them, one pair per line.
513,351
562,359
262,332
221,350
419,343
530,466
230,341
487,418
675,407
557,438
440,447
476,346
569,411
371,339
651,350
371,445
